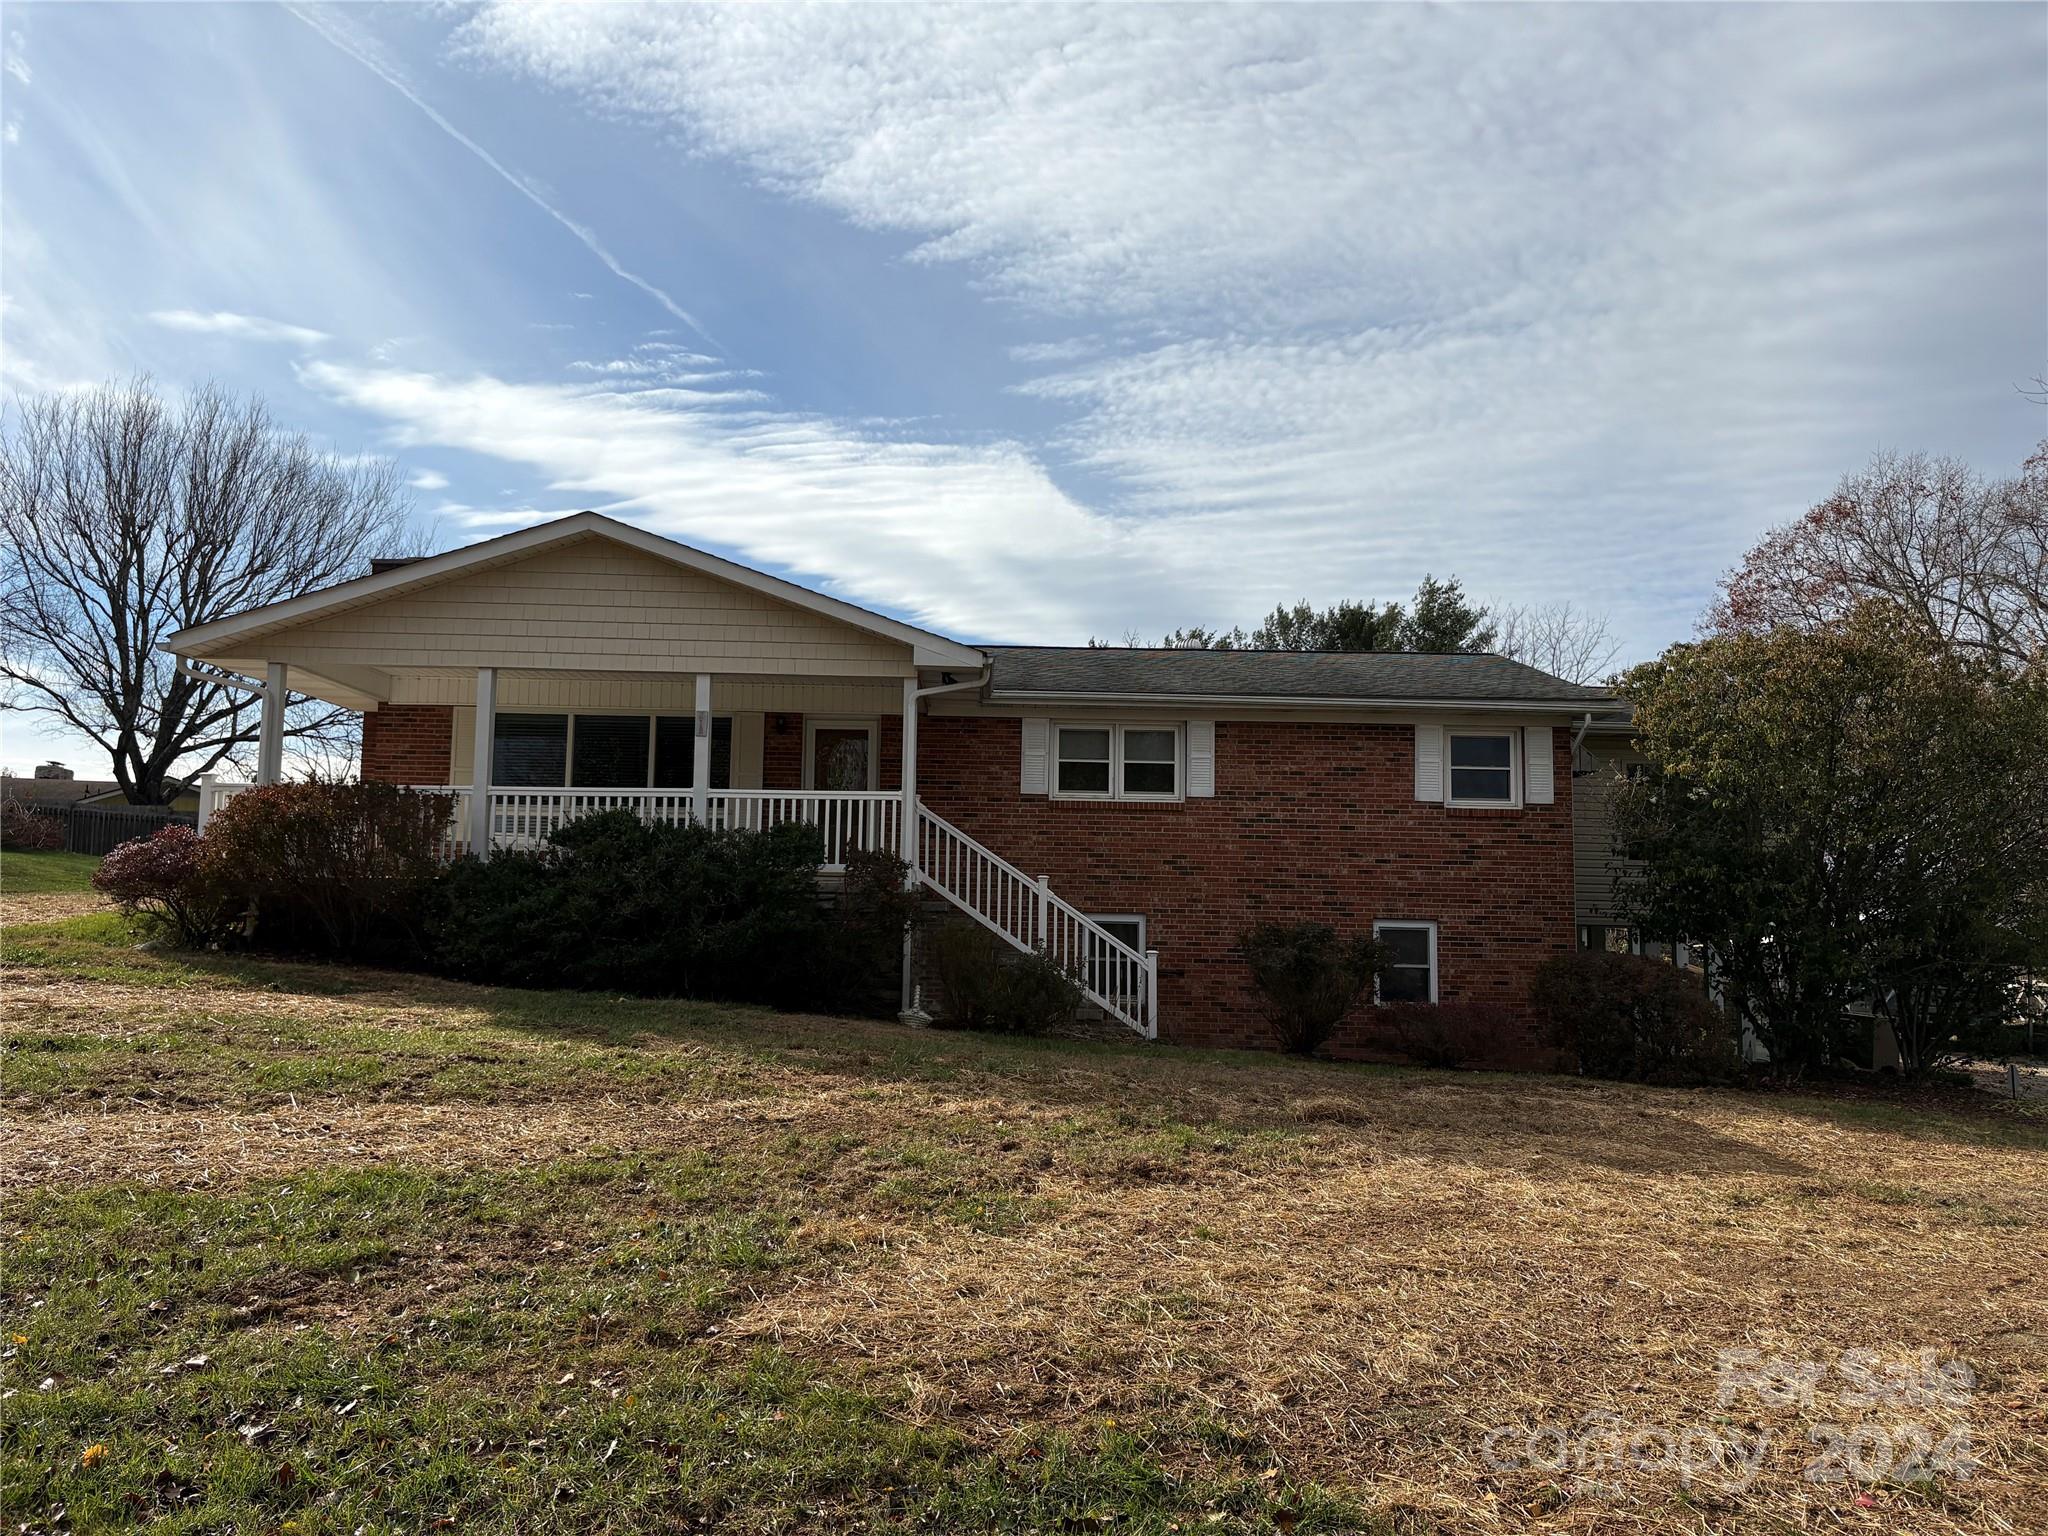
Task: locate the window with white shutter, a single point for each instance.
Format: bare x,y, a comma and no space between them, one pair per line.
1201,759
1032,778
1429,763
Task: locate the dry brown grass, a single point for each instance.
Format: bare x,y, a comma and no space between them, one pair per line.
47,906
1365,1271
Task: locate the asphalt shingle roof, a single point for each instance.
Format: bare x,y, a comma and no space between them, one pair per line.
1279,675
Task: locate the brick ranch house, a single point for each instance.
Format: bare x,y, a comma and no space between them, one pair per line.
1132,811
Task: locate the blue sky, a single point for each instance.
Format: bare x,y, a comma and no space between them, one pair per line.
1050,323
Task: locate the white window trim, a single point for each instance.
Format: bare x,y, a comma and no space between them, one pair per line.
1399,922
1116,791
841,723
1514,799
1105,918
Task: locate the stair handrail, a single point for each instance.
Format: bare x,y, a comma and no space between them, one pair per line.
1139,1011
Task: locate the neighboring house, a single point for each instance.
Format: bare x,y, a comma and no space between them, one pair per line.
52,793
1131,810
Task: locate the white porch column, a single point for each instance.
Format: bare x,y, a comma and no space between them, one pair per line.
908,840
480,762
700,761
270,741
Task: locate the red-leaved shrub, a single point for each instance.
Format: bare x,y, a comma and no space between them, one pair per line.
168,876
343,868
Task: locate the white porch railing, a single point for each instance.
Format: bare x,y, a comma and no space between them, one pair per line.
1123,982
215,793
846,820
523,818
1120,980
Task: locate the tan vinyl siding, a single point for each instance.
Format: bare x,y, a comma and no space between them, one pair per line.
1594,866
674,693
591,605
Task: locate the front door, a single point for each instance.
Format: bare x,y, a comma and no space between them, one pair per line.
841,757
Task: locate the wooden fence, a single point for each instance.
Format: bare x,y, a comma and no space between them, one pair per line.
97,829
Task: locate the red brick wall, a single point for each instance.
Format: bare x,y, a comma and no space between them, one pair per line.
409,743
1308,822
782,752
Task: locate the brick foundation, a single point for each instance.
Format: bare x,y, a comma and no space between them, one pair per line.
409,743
1308,822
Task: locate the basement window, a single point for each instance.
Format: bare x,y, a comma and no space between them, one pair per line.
1408,972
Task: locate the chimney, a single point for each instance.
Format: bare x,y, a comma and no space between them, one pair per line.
52,771
379,564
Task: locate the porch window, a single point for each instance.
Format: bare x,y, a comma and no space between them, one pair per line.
1482,767
675,751
605,751
610,752
529,750
1408,972
1117,762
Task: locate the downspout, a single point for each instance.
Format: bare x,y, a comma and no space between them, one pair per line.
972,682
1578,739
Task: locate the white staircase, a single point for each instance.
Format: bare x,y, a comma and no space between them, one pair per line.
1123,982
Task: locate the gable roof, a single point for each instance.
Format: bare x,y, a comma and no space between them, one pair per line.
1279,677
929,649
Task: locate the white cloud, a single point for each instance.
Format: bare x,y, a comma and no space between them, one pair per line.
975,539
1569,299
222,322
429,480
17,59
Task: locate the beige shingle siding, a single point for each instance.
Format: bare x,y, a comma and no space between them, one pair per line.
1594,866
591,605
668,694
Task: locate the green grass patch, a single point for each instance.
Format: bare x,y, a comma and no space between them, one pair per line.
42,873
390,1350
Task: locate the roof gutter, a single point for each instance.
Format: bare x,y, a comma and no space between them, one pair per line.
1284,701
980,679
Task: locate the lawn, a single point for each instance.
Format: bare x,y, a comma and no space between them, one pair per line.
36,874
297,1249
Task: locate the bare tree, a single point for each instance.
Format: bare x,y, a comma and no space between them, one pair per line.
1965,557
128,518
1562,639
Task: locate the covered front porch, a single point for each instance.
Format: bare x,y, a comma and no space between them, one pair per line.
725,750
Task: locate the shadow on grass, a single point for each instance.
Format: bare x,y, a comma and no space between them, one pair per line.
1498,1119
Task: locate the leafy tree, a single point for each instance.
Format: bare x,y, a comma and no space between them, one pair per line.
1440,619
128,518
1849,810
1443,621
1962,557
1343,626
